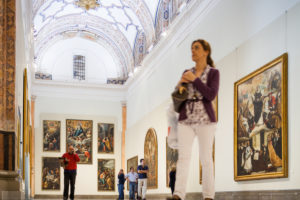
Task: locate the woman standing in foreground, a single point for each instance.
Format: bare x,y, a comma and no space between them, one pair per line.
197,119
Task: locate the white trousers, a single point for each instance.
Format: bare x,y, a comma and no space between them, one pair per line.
205,135
142,187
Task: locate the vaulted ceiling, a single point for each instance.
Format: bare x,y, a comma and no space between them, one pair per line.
118,32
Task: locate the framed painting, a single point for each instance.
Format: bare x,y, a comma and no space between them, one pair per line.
215,107
132,162
79,134
260,123
50,173
19,136
106,138
150,156
51,135
106,175
171,161
25,120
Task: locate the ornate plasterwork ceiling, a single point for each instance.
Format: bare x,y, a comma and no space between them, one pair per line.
126,28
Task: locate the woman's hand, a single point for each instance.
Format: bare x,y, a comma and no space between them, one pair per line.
189,76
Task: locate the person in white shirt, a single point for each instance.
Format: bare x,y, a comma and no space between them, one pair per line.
132,177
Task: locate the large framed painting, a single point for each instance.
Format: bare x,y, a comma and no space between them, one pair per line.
260,123
25,120
106,138
80,136
171,161
50,173
132,162
150,156
51,135
215,107
106,175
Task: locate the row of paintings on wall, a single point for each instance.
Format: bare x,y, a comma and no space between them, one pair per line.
79,134
260,131
51,174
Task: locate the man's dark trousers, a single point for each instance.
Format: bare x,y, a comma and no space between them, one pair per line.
69,178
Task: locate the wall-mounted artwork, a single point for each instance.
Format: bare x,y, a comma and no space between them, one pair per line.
50,174
132,162
80,136
260,123
106,138
171,161
106,175
51,133
150,156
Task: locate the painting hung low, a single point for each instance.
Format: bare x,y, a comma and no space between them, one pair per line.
50,174
260,112
106,175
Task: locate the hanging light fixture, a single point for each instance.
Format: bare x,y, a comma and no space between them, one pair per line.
87,4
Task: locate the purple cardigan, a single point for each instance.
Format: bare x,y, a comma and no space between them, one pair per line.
209,92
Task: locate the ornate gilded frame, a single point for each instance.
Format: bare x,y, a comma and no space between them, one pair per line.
280,124
151,133
132,160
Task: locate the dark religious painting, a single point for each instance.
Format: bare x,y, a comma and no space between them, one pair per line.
51,133
50,174
106,138
80,136
150,156
106,175
260,123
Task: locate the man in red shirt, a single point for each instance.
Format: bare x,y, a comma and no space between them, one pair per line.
70,158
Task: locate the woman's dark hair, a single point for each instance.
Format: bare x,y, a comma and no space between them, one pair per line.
206,47
141,160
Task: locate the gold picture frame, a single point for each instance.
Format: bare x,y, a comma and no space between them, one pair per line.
106,175
171,161
50,179
134,162
260,123
79,134
25,120
151,158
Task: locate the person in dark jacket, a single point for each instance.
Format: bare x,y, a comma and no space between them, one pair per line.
197,119
122,180
172,178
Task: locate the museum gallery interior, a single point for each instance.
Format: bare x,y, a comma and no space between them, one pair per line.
99,74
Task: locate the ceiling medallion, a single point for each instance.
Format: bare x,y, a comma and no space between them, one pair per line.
87,4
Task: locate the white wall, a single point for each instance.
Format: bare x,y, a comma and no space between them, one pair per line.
47,108
244,36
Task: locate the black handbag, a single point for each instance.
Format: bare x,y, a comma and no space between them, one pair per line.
179,96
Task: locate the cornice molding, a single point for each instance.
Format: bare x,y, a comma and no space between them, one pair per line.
180,28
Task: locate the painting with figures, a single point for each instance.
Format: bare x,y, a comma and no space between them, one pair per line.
79,134
105,138
171,159
50,173
51,132
260,134
150,156
106,175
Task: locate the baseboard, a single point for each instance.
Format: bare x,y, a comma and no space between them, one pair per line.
231,195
